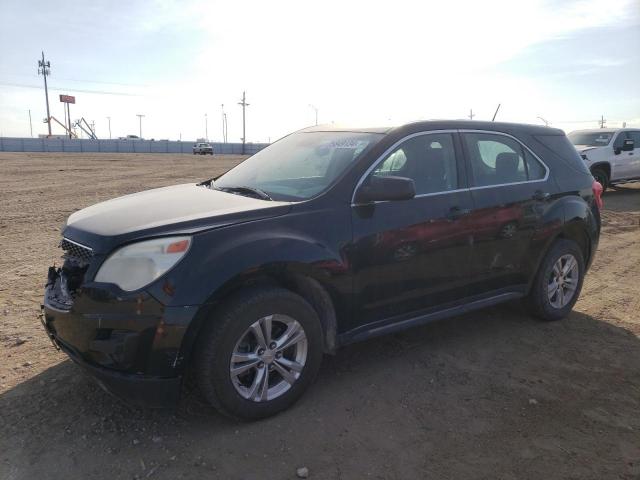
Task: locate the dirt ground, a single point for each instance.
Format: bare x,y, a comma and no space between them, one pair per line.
493,394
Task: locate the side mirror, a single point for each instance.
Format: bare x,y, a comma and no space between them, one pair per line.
380,189
628,145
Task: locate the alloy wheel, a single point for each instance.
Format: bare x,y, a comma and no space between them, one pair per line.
268,358
563,281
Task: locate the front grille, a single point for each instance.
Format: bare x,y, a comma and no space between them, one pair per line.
75,250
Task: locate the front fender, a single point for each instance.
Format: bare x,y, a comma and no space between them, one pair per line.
219,256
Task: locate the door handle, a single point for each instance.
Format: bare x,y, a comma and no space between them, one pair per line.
457,212
540,195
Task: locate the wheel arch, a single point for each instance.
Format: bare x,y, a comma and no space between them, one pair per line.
606,166
296,277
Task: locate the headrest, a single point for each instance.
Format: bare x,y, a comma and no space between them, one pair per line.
507,164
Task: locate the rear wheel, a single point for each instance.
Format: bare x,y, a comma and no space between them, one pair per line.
558,282
601,177
259,354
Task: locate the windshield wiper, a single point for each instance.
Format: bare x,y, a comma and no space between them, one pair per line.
244,190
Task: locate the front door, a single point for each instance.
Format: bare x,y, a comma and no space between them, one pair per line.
626,164
412,255
510,188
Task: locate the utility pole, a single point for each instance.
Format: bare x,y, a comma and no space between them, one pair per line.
44,69
206,128
109,119
316,110
471,114
69,117
244,105
602,121
30,124
494,115
224,124
139,115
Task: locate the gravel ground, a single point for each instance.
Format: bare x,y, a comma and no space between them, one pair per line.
492,394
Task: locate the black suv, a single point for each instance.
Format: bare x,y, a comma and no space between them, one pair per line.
326,237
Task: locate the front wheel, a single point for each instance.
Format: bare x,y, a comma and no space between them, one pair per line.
558,282
601,177
259,354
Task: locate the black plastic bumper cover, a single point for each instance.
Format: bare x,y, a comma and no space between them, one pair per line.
139,390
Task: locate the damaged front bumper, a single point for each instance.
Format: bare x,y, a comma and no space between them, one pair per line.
131,343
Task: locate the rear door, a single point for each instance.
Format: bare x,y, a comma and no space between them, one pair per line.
408,256
509,187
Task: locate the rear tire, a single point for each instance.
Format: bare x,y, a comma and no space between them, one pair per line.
601,177
557,284
273,375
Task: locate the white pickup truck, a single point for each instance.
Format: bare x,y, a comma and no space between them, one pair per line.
612,155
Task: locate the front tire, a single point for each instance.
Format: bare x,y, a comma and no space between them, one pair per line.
259,354
557,284
601,177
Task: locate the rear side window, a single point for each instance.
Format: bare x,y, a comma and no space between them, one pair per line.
563,148
499,160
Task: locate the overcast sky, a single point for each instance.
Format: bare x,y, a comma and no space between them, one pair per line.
358,62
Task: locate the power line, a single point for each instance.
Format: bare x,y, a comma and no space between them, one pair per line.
82,90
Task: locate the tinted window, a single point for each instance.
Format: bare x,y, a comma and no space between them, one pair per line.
427,159
535,170
635,136
620,138
562,147
496,160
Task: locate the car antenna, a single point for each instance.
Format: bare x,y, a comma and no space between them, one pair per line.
494,115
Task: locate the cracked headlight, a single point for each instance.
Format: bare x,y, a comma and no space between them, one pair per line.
136,265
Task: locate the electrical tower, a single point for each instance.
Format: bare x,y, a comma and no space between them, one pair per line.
244,105
44,69
602,121
471,114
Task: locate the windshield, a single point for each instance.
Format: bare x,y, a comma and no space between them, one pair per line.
591,139
299,166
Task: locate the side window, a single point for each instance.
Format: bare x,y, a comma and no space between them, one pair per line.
427,159
635,136
620,138
535,170
496,160
393,164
